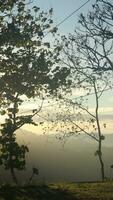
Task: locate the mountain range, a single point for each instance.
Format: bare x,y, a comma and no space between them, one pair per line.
69,161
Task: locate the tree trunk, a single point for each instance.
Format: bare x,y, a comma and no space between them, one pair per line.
11,162
30,179
99,135
102,165
13,175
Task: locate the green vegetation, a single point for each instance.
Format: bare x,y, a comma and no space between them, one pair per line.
62,191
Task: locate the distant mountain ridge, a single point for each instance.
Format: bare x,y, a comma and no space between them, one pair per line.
72,161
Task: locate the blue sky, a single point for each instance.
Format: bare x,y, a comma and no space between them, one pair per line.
62,8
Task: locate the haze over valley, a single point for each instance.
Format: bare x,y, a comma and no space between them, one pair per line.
73,161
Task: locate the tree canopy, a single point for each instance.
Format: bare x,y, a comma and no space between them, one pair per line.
95,35
27,67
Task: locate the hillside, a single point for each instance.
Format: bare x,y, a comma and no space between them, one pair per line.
62,191
73,162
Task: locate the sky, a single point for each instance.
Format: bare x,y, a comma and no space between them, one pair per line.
61,9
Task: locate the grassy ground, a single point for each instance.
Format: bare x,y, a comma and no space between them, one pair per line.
61,191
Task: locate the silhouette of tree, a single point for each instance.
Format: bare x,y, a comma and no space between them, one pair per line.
26,68
84,77
95,36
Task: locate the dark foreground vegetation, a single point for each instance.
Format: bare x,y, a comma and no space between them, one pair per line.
61,191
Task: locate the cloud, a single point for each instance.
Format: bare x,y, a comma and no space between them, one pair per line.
77,92
103,110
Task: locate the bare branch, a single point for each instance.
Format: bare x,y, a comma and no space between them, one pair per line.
82,130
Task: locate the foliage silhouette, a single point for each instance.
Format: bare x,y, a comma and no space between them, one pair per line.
26,71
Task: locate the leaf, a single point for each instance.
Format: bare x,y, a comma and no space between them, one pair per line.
3,112
51,11
36,9
47,44
35,171
41,123
34,110
102,137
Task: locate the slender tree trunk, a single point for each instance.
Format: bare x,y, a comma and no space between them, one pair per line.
11,162
13,175
30,179
12,169
100,136
100,158
102,166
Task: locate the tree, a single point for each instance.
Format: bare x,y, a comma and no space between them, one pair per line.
87,53
91,126
83,76
93,42
26,68
74,116
95,36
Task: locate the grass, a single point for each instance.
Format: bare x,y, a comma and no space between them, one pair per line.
59,191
